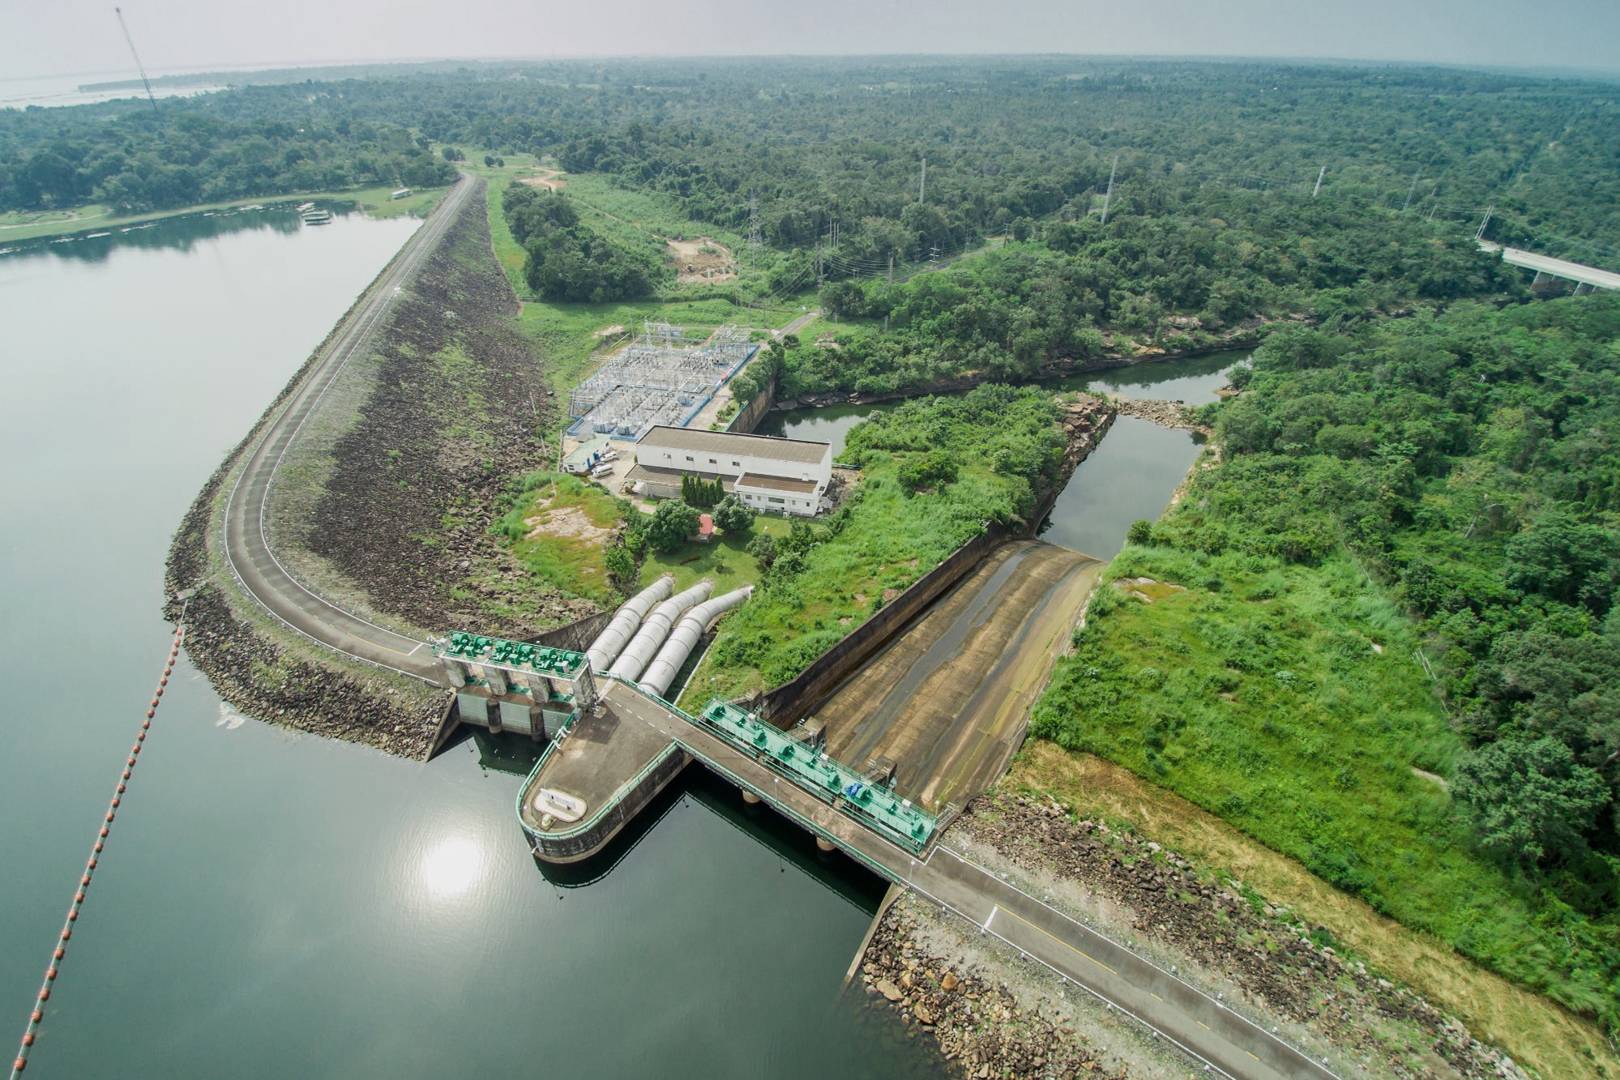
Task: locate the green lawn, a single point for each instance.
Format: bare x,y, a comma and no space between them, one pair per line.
724,560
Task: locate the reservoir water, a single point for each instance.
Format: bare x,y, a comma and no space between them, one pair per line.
272,904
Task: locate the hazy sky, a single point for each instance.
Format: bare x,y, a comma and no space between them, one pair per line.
48,37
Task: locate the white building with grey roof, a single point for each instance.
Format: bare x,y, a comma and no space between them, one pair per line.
784,476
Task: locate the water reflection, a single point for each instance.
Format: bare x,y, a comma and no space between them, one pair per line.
793,847
453,865
180,233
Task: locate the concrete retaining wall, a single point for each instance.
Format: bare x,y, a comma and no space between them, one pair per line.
787,704
748,418
578,634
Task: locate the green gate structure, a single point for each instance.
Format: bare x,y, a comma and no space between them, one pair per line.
515,686
873,805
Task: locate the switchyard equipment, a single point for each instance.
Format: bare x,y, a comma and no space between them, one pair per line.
516,686
810,768
656,380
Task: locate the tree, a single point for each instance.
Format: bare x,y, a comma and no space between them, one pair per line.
763,549
732,516
931,470
621,565
452,154
1530,801
1141,532
672,525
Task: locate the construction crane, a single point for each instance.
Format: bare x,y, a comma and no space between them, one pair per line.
138,66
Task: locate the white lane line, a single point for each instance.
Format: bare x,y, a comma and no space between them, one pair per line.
992,915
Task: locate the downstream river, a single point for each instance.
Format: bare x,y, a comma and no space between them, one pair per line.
1131,475
274,904
278,905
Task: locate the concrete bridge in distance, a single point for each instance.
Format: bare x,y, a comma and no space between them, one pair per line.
1586,278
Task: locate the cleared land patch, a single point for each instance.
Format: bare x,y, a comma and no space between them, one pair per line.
700,260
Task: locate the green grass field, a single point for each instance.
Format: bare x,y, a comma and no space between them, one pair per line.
558,528
724,560
1290,701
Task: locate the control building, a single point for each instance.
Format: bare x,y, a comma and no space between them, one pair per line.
785,476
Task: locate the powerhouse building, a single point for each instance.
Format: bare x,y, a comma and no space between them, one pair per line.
785,476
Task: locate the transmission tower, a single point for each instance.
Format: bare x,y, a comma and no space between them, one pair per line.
1110,196
753,229
138,66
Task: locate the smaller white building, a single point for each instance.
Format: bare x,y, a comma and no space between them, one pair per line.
785,476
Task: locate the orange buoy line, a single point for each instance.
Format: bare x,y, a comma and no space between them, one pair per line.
37,1017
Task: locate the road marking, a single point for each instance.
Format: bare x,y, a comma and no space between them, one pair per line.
1064,944
987,918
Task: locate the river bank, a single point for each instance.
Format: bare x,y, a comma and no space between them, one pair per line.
20,228
1238,339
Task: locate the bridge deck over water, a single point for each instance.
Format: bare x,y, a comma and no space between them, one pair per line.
1204,1028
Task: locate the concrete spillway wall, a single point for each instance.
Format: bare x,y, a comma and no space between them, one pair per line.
1085,423
793,700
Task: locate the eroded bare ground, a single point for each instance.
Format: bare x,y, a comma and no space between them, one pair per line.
947,701
452,418
1266,963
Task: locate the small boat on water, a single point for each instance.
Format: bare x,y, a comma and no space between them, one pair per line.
317,217
305,207
94,235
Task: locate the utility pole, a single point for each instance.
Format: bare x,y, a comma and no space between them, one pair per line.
922,182
1479,233
1315,190
1110,196
138,67
891,268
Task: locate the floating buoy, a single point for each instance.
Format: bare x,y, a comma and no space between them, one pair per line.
60,951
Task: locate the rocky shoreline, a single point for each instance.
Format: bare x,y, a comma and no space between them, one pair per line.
1219,935
1170,414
